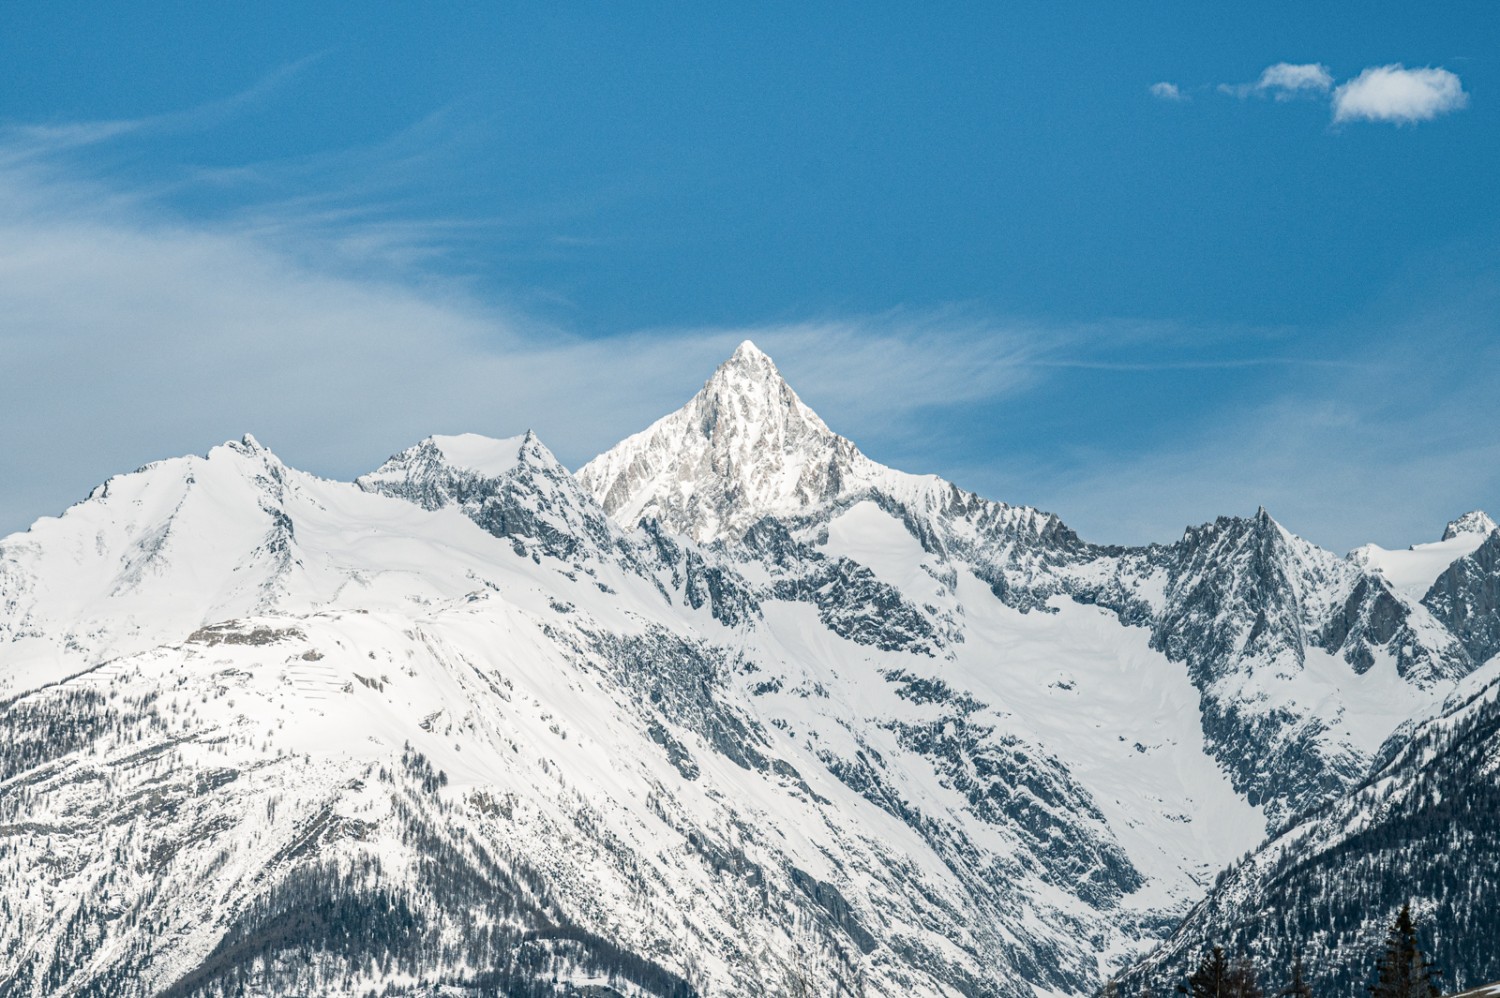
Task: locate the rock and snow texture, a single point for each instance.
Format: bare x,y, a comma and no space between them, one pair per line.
736,711
404,723
439,456
1413,571
744,447
512,488
1305,661
1475,521
1419,829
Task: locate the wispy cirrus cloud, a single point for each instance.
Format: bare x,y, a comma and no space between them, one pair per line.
133,332
1396,94
1167,91
1385,447
22,141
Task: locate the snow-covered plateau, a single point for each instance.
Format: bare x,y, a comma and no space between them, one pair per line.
734,710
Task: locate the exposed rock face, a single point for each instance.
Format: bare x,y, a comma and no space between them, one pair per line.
512,488
1466,597
1240,602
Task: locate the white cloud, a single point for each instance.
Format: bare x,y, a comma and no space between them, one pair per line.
1167,91
1286,80
1395,93
1380,93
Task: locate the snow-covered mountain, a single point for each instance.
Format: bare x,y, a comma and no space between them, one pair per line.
1419,828
1414,570
745,447
1305,661
734,711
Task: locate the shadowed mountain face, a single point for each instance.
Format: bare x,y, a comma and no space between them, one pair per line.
735,710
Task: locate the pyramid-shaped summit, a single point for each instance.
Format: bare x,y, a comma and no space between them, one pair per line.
743,448
1473,522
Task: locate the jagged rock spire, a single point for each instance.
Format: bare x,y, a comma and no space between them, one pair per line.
744,447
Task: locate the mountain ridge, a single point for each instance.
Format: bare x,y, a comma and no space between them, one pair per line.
835,727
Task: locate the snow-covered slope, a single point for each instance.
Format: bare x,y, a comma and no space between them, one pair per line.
1419,830
737,711
1305,661
146,558
1413,571
388,719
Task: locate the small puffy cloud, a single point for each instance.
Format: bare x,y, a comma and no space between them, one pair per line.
1380,93
1167,91
1395,93
1286,80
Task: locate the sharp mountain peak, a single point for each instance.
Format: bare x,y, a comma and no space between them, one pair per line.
748,353
745,446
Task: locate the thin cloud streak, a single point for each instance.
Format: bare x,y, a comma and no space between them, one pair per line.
1385,451
1194,365
22,142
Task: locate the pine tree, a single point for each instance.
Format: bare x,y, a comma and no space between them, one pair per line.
1211,979
1403,972
1217,977
1208,980
1298,988
1242,982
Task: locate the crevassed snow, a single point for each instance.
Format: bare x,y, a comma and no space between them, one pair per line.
1122,718
869,535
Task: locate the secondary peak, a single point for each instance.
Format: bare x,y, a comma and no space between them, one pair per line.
1473,522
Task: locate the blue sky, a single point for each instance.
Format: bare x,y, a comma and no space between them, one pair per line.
1138,264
